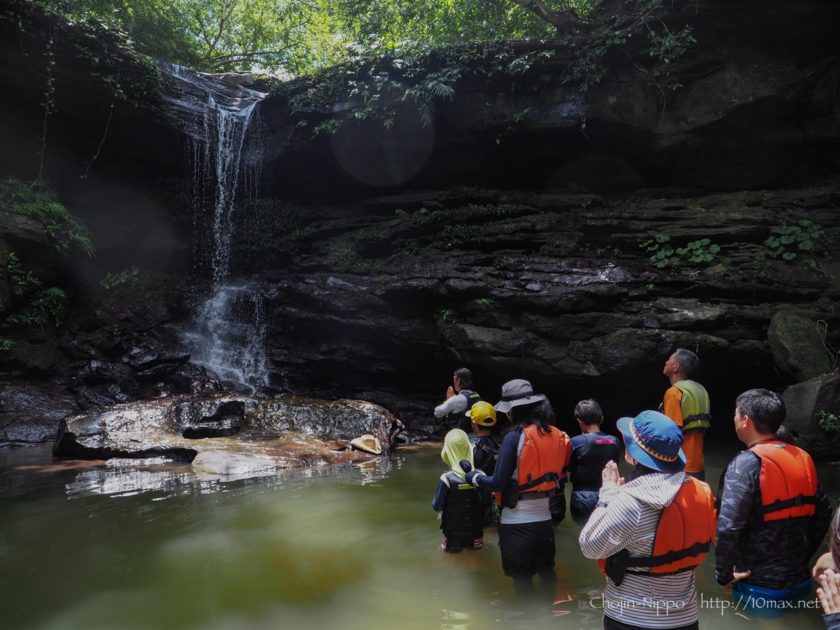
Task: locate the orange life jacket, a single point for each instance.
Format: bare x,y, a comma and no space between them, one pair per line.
683,535
542,460
541,464
788,481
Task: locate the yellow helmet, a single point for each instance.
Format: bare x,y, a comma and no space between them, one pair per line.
483,414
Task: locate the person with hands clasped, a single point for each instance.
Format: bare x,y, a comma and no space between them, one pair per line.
829,596
459,398
650,533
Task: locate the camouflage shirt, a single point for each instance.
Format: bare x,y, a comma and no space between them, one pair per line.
776,552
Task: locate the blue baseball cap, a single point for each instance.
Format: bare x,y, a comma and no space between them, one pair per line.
653,440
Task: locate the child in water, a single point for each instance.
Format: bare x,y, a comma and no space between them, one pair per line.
591,450
485,452
461,505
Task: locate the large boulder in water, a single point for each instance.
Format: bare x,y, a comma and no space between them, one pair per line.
804,402
30,412
796,345
230,434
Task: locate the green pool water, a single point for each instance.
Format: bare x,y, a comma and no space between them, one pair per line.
122,546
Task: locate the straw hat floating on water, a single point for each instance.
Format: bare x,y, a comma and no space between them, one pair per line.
367,443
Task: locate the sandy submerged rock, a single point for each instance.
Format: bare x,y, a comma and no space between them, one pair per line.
234,464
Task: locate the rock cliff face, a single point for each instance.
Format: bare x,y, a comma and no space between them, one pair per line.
551,286
757,109
514,234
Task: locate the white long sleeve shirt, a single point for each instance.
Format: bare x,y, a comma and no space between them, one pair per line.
626,518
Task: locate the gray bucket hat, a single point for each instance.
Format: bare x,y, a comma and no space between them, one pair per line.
515,393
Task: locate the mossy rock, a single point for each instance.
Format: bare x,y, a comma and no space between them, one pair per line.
804,401
796,345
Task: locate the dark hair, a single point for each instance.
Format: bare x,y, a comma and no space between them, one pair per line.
465,376
539,413
689,361
766,409
589,412
786,435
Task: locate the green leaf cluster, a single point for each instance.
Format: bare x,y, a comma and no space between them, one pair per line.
129,278
828,422
33,304
791,241
666,46
663,255
301,37
35,200
425,76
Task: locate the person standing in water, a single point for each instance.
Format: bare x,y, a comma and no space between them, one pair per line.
591,450
686,402
459,503
532,458
650,533
485,451
772,512
459,398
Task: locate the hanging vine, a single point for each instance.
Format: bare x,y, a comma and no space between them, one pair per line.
49,97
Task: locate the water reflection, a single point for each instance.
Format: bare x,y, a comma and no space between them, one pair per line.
126,477
150,544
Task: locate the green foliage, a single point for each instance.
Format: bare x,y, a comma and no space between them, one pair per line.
588,68
700,251
33,304
828,422
46,307
346,258
374,89
19,279
464,226
129,278
447,315
329,126
300,37
637,17
663,255
589,249
661,252
385,26
789,242
35,200
666,46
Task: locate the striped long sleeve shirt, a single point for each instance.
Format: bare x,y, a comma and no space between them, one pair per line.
626,518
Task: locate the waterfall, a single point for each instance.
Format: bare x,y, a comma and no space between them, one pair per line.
229,335
229,331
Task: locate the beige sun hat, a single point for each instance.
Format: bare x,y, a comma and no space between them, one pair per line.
367,443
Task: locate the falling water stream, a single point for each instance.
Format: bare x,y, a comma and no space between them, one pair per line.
229,332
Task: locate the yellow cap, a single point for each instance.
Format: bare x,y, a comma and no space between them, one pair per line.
483,414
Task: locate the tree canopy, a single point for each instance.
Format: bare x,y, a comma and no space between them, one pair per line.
299,36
